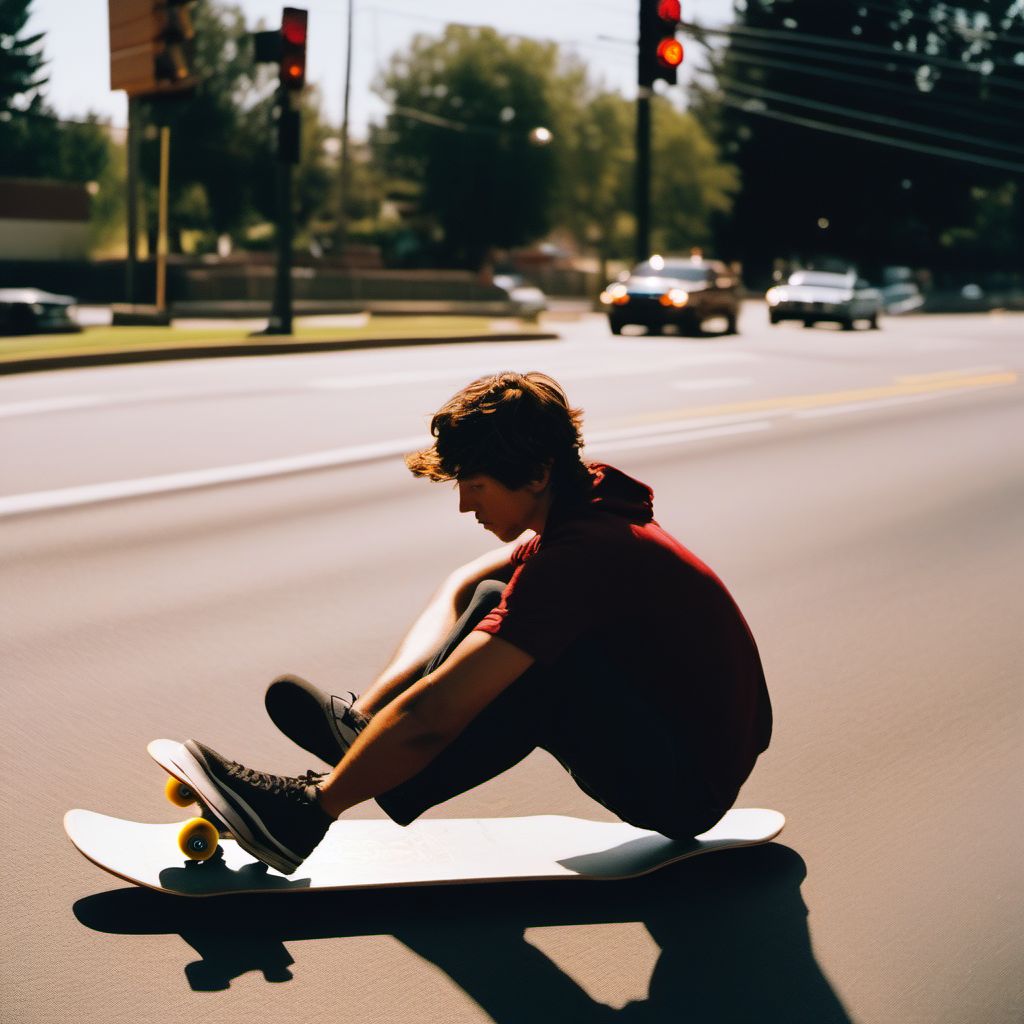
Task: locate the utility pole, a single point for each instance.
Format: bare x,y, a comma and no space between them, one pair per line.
281,311
659,54
285,47
643,174
341,230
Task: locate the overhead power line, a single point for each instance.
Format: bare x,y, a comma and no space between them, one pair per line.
745,105
907,93
860,115
765,39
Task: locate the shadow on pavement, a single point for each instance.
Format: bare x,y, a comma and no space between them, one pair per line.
732,931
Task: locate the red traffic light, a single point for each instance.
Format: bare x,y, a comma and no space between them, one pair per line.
670,10
293,47
293,26
670,52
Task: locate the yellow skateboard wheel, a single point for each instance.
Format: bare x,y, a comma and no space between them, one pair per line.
198,839
178,793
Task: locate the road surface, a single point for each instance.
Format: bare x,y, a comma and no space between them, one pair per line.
174,536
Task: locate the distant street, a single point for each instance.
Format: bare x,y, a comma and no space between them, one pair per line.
172,536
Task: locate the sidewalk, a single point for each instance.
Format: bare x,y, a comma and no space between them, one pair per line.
104,345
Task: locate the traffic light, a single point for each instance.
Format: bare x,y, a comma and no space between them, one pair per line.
173,62
152,46
660,52
285,47
293,48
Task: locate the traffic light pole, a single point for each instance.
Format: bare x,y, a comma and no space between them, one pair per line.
643,174
281,311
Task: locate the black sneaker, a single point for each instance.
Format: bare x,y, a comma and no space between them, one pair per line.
276,818
320,723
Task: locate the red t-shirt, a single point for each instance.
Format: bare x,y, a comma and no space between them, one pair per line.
605,573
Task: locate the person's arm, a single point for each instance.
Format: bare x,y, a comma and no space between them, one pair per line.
408,733
434,624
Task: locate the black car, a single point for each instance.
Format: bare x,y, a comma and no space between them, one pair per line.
31,311
682,292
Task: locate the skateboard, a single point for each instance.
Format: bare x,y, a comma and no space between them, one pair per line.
200,859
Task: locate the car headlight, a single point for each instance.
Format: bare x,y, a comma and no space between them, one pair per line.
773,297
675,297
615,295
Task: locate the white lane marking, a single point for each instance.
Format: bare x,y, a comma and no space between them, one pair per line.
647,435
710,383
567,372
59,404
680,437
88,494
457,374
67,497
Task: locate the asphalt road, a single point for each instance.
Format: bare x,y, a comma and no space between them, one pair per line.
174,536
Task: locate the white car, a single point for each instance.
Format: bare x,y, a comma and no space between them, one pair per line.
816,295
529,301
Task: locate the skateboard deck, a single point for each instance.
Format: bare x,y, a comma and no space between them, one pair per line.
377,853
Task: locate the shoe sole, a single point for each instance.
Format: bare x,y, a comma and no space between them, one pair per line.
190,770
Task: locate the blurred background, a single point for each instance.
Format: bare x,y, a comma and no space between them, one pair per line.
881,136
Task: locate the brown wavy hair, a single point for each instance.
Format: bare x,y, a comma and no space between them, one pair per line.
509,426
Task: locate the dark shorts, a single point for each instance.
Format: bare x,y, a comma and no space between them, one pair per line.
584,712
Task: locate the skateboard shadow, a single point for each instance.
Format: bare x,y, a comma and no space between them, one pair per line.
731,930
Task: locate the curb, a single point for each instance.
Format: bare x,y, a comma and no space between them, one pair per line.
34,364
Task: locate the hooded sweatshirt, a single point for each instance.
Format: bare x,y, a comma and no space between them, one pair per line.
604,573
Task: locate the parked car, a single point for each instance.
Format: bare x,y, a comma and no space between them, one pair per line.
901,297
31,311
529,301
683,292
814,296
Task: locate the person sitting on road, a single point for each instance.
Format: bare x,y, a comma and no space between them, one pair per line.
591,633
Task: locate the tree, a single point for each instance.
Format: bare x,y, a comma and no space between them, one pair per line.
862,130
21,58
463,108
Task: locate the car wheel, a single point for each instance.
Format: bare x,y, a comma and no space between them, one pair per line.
847,324
654,328
614,327
731,326
809,323
773,318
873,322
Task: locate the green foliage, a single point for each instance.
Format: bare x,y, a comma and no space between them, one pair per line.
690,185
463,107
21,58
481,184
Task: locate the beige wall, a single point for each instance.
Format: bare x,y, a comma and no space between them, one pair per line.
43,239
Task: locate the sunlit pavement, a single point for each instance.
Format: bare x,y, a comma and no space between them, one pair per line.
859,493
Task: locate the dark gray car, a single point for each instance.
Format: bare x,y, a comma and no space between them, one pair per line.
681,292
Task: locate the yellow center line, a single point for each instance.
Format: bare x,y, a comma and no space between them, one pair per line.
945,374
814,401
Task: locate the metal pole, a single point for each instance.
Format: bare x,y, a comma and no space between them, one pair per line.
341,231
281,314
643,174
132,257
161,234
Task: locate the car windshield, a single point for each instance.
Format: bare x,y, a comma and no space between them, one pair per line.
821,280
668,268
